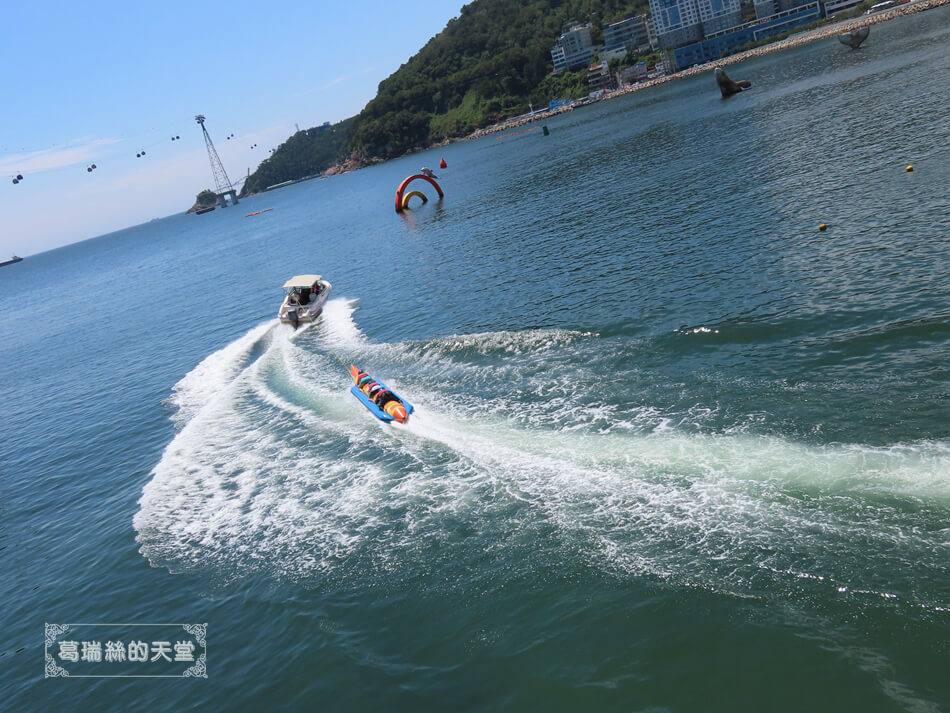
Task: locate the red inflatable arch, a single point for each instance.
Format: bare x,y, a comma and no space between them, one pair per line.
406,182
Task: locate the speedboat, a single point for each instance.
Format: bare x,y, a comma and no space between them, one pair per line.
306,295
382,402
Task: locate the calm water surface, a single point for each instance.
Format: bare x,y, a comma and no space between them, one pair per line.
674,450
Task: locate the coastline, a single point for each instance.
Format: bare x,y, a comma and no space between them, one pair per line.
796,40
801,38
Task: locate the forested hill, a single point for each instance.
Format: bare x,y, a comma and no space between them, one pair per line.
487,64
306,153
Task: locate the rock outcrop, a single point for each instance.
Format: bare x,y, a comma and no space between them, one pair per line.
727,86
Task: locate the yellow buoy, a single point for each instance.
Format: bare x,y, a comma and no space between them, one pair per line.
410,194
822,227
909,169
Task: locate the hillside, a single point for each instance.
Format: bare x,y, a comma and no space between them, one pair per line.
487,64
306,153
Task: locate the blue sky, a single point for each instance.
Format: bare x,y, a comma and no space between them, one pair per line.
99,82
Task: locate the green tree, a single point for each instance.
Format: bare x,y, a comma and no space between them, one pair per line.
306,153
486,65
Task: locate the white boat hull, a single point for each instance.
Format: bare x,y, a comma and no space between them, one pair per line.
304,313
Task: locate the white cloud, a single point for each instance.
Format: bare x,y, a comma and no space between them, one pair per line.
335,81
77,152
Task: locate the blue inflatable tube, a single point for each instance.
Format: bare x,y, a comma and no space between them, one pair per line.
376,411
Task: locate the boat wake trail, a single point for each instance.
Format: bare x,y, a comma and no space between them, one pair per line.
519,446
219,369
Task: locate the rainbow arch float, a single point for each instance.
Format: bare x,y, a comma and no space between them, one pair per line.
410,194
402,201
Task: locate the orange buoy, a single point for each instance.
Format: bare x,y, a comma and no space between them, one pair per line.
442,163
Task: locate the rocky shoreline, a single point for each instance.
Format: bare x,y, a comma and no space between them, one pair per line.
819,33
801,38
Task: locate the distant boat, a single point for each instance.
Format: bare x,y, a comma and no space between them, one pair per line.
12,260
206,209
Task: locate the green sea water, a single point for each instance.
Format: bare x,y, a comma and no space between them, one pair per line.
674,448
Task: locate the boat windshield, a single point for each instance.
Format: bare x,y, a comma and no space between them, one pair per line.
299,295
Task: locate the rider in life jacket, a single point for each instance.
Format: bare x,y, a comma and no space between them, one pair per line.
380,397
383,397
371,388
364,382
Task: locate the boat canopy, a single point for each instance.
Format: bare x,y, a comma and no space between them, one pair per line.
302,281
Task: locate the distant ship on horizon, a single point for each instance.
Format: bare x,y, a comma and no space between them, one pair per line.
12,260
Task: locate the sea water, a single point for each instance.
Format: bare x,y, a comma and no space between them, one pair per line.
674,448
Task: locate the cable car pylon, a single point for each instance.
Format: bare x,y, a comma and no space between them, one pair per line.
222,184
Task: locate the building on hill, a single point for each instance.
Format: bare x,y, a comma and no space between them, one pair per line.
651,33
610,55
631,34
573,48
718,44
636,73
695,31
677,22
835,6
719,15
680,22
764,8
767,8
598,77
316,130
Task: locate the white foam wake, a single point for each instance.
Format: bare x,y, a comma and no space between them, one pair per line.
280,470
338,326
215,371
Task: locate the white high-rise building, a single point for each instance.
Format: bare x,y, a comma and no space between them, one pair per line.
717,15
573,48
631,34
679,22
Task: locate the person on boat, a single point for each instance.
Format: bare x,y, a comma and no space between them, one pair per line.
374,390
379,398
383,397
364,382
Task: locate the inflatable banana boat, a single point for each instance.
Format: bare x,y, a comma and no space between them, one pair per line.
378,398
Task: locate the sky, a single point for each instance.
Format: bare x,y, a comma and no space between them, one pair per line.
100,82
